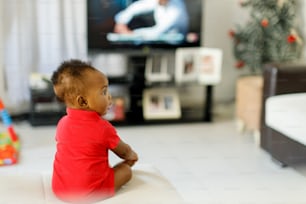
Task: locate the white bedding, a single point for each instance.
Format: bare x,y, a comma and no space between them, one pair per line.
287,114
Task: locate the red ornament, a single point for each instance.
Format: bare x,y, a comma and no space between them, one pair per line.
291,38
231,33
242,2
264,22
239,64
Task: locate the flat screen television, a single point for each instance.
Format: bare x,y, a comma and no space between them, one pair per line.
145,27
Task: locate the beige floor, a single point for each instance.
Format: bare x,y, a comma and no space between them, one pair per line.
207,163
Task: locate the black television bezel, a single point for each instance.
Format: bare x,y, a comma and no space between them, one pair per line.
148,47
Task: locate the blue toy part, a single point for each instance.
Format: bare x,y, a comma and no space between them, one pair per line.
7,121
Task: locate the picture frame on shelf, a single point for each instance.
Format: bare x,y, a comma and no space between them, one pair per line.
185,65
202,65
161,104
156,69
209,65
117,110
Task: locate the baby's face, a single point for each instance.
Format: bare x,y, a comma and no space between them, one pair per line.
97,95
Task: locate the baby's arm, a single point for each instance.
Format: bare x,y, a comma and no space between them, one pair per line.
125,152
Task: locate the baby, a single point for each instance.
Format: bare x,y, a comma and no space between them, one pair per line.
81,169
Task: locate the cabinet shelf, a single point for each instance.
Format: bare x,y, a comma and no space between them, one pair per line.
136,84
120,80
46,110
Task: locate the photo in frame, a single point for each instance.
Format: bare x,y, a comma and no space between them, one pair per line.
161,104
209,65
201,65
157,69
185,65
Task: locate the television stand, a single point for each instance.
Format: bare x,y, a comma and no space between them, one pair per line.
45,110
137,84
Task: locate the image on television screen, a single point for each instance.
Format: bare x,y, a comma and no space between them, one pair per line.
121,24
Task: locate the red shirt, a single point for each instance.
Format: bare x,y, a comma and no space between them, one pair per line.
81,168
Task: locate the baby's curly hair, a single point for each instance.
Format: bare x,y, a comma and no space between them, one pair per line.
68,79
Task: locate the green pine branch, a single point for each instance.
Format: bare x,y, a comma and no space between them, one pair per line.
269,36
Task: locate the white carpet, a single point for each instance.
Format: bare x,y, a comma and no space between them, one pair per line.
147,186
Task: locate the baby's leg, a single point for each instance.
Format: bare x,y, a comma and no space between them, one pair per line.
123,173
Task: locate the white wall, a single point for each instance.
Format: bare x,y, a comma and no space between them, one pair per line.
219,17
302,22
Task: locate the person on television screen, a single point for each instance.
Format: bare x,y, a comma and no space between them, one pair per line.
81,169
170,16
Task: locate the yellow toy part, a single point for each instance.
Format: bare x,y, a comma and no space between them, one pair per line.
9,142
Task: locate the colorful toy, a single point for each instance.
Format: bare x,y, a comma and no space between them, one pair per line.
9,142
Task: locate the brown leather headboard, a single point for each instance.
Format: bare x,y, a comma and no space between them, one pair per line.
280,79
284,78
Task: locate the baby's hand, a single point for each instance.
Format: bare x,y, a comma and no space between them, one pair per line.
134,156
132,159
125,152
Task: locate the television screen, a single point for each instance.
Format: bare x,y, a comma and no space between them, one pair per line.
166,24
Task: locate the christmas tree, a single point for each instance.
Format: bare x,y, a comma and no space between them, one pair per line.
269,36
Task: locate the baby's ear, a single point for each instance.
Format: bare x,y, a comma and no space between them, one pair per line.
82,102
